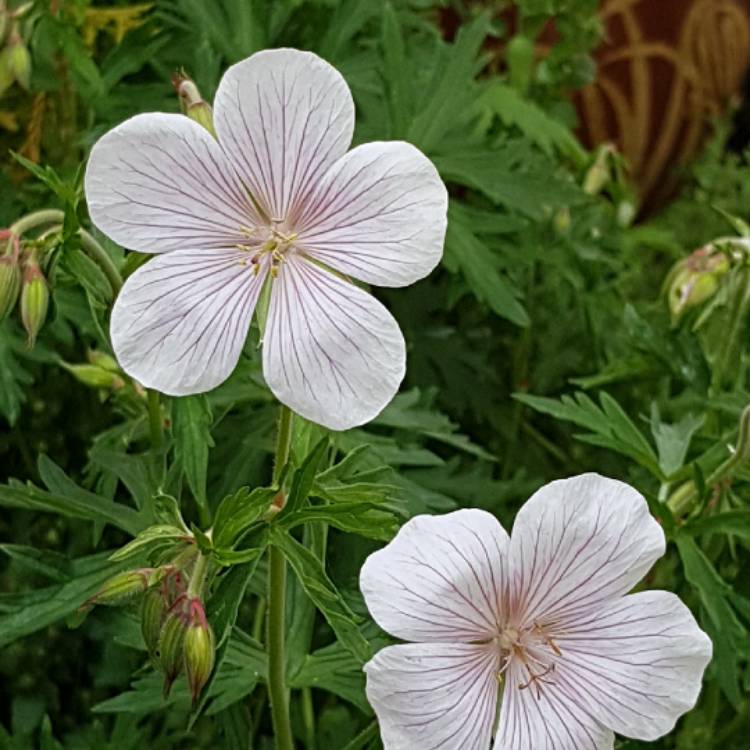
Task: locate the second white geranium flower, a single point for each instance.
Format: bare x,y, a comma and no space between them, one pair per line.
534,637
277,196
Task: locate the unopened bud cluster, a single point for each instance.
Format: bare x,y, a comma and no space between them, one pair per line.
174,626
192,103
101,371
22,282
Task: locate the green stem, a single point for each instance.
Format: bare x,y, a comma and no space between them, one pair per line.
368,733
283,442
277,690
308,718
155,423
37,219
89,244
198,579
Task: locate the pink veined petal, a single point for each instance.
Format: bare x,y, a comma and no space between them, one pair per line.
577,543
434,696
441,578
160,182
181,320
638,663
283,117
550,718
331,351
379,215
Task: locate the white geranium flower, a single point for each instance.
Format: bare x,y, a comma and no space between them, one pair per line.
276,196
532,637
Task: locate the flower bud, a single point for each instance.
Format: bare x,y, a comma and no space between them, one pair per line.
695,279
192,102
519,56
122,587
34,300
153,612
10,284
103,360
19,59
172,641
200,649
599,173
94,376
4,20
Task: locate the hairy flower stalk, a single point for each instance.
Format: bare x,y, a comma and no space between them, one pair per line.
530,638
276,203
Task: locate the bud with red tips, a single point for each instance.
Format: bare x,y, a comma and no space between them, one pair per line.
200,648
10,284
172,641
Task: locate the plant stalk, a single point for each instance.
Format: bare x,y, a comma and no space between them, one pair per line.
277,690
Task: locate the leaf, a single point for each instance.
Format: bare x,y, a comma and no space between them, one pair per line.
13,377
673,440
192,434
514,110
237,513
395,65
323,592
57,602
726,631
52,565
304,477
609,426
333,668
86,505
137,471
734,522
361,518
149,541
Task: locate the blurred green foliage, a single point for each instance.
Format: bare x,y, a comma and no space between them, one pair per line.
542,348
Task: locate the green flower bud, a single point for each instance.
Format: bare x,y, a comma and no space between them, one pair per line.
34,300
599,173
153,613
172,641
4,20
94,376
200,649
695,279
10,284
122,587
19,59
192,102
519,55
103,360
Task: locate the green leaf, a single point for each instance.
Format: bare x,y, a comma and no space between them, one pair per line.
726,631
238,513
673,440
85,505
361,518
323,592
304,478
52,565
149,541
734,522
13,377
192,434
57,602
395,67
515,110
609,426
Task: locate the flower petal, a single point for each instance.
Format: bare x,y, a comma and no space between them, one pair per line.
283,117
436,695
331,351
181,320
548,718
160,182
579,542
440,579
378,215
638,662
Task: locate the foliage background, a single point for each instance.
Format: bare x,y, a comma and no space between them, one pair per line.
542,348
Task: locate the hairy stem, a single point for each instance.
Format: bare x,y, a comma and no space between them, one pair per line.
277,690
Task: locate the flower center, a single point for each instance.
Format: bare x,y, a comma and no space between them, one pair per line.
533,649
262,241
